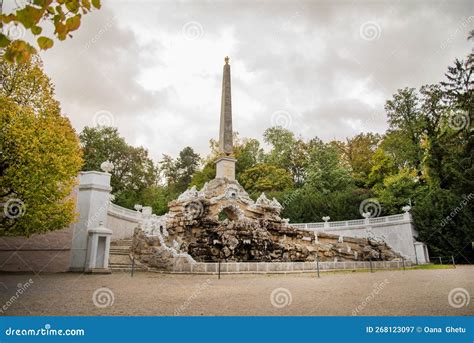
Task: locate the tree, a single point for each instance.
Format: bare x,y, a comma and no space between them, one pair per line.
27,85
101,144
431,134
405,117
158,198
397,191
40,156
444,220
133,172
303,205
383,166
326,172
65,15
359,151
178,173
470,57
205,175
265,178
459,84
329,189
287,152
187,164
248,153
169,170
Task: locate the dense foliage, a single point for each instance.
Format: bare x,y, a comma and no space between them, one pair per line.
40,154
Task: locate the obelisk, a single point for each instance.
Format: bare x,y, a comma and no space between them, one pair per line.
225,164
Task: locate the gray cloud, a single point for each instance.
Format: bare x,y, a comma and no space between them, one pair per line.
156,66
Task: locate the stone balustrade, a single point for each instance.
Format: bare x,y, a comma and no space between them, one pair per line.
345,224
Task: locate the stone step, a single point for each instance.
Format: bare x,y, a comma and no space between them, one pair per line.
120,247
120,253
121,269
127,269
120,259
125,264
119,264
127,243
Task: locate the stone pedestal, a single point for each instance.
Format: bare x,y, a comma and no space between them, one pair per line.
225,168
92,202
98,249
421,252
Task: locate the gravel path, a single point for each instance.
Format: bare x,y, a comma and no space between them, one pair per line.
411,292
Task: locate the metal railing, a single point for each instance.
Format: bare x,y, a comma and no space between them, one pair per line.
441,260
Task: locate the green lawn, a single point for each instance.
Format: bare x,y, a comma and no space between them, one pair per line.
433,266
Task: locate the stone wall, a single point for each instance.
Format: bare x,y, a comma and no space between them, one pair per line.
48,252
121,221
244,242
396,230
55,251
51,252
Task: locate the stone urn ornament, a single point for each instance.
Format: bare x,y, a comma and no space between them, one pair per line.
367,215
406,208
107,166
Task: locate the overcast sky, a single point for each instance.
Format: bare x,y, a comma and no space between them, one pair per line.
319,68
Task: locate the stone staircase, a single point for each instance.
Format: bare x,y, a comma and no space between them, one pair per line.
120,258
